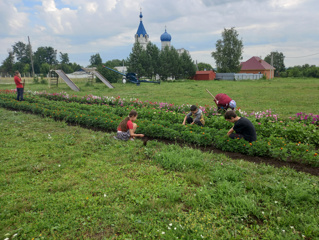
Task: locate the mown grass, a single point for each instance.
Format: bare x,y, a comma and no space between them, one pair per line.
284,96
66,182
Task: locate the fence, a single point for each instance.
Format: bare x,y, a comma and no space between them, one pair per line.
238,76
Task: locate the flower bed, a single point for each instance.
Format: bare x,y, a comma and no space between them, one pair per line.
280,139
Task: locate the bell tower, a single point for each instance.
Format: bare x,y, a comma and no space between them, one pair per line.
141,35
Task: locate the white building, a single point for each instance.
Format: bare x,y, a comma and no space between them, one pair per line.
181,50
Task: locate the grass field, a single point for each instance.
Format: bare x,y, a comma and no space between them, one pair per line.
284,96
64,182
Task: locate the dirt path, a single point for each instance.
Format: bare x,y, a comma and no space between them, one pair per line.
299,167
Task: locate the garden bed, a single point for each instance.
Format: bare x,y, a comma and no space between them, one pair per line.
292,140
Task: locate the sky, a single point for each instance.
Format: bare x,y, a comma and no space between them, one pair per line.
83,28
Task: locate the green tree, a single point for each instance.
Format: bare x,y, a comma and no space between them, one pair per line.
278,61
22,52
312,71
295,71
19,66
95,60
174,63
8,63
45,68
44,55
136,58
152,62
110,75
64,58
202,66
26,68
75,67
170,65
67,68
65,63
228,51
164,66
187,66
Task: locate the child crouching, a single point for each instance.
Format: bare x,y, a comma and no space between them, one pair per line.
126,128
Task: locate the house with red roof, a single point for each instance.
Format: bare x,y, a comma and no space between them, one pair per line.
257,65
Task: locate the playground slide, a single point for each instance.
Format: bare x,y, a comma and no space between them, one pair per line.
67,80
103,79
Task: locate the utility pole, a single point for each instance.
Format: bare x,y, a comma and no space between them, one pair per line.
31,57
272,62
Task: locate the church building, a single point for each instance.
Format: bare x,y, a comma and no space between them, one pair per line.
142,37
166,39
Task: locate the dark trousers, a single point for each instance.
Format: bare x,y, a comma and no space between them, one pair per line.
236,135
20,94
189,120
224,108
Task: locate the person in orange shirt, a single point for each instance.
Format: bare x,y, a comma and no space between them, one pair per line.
18,82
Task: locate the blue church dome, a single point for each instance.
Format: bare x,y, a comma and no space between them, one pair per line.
141,30
166,37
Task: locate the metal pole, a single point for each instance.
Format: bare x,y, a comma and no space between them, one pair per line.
272,62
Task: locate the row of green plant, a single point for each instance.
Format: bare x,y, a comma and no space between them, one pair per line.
208,110
266,123
108,117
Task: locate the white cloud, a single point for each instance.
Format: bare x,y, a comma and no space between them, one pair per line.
286,3
91,7
87,27
49,6
12,21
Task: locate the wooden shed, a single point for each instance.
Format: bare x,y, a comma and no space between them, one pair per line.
257,65
204,75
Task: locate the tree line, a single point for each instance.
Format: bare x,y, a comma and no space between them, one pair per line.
167,63
19,58
228,55
150,62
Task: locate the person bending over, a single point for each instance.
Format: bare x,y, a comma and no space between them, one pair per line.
195,116
243,128
223,101
126,128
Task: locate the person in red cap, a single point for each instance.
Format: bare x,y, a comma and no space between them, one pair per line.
223,101
18,82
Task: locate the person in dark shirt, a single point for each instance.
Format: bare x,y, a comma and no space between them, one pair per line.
243,128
